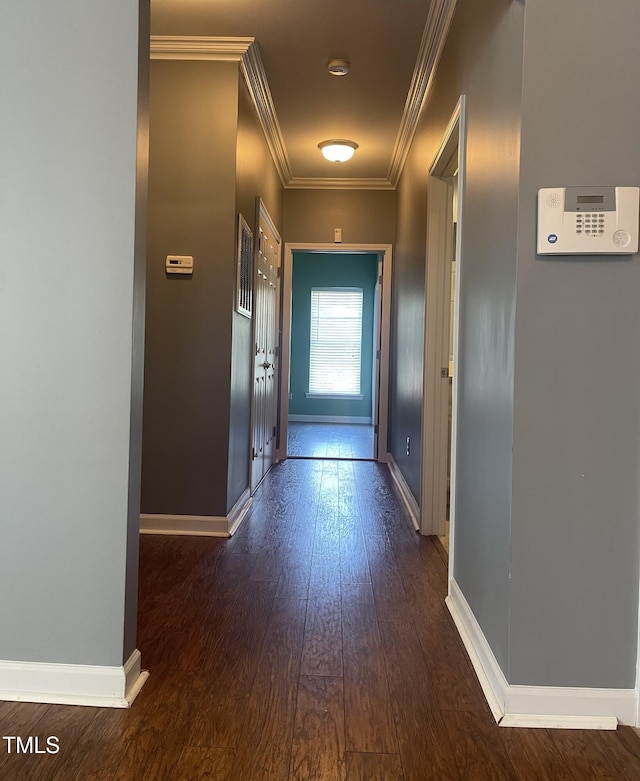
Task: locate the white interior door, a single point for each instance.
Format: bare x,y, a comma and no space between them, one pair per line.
265,344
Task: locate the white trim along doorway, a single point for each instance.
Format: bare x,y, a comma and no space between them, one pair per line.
441,366
381,359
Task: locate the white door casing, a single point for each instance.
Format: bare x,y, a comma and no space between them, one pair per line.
382,326
441,243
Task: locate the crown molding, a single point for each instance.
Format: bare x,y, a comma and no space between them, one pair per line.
256,81
244,51
435,34
189,47
326,183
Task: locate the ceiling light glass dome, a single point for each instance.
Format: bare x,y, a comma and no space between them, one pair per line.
338,150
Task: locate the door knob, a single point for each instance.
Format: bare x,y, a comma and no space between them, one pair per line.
266,365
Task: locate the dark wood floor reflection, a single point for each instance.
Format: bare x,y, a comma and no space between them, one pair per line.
313,646
329,440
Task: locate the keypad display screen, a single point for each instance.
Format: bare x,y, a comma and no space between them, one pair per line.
590,199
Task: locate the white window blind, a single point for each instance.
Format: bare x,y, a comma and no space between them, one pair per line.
336,341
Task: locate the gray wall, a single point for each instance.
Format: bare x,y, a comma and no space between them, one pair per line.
365,216
69,417
204,170
483,59
192,169
137,356
577,383
546,538
256,175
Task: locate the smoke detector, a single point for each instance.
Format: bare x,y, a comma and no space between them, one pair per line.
338,67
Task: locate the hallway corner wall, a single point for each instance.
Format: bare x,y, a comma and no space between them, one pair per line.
256,176
576,460
546,537
70,321
192,174
483,60
137,357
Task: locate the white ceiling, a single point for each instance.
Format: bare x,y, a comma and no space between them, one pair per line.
383,41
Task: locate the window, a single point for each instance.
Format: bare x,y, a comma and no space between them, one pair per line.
336,341
244,281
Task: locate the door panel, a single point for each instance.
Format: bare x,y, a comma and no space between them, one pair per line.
265,343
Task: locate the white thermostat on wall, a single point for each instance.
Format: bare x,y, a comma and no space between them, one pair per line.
588,220
179,264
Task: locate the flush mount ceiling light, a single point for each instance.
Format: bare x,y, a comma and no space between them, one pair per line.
338,67
338,150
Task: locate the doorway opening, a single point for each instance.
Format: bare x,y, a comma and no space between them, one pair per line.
441,369
334,362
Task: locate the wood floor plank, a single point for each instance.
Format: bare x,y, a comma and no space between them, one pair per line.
18,718
227,675
319,738
67,723
453,679
592,754
235,634
534,755
390,596
325,568
294,579
329,530
322,648
358,674
368,714
205,764
143,760
265,754
623,753
478,747
100,749
374,767
425,748
354,564
160,720
629,738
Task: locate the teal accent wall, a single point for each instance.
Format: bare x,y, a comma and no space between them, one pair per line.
330,269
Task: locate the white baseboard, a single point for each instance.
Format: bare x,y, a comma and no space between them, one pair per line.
404,491
73,684
329,419
197,525
490,676
550,707
238,511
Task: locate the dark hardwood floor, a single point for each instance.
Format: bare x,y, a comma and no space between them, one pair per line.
313,646
330,440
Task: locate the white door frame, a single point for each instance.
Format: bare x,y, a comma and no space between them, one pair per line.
386,255
437,302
